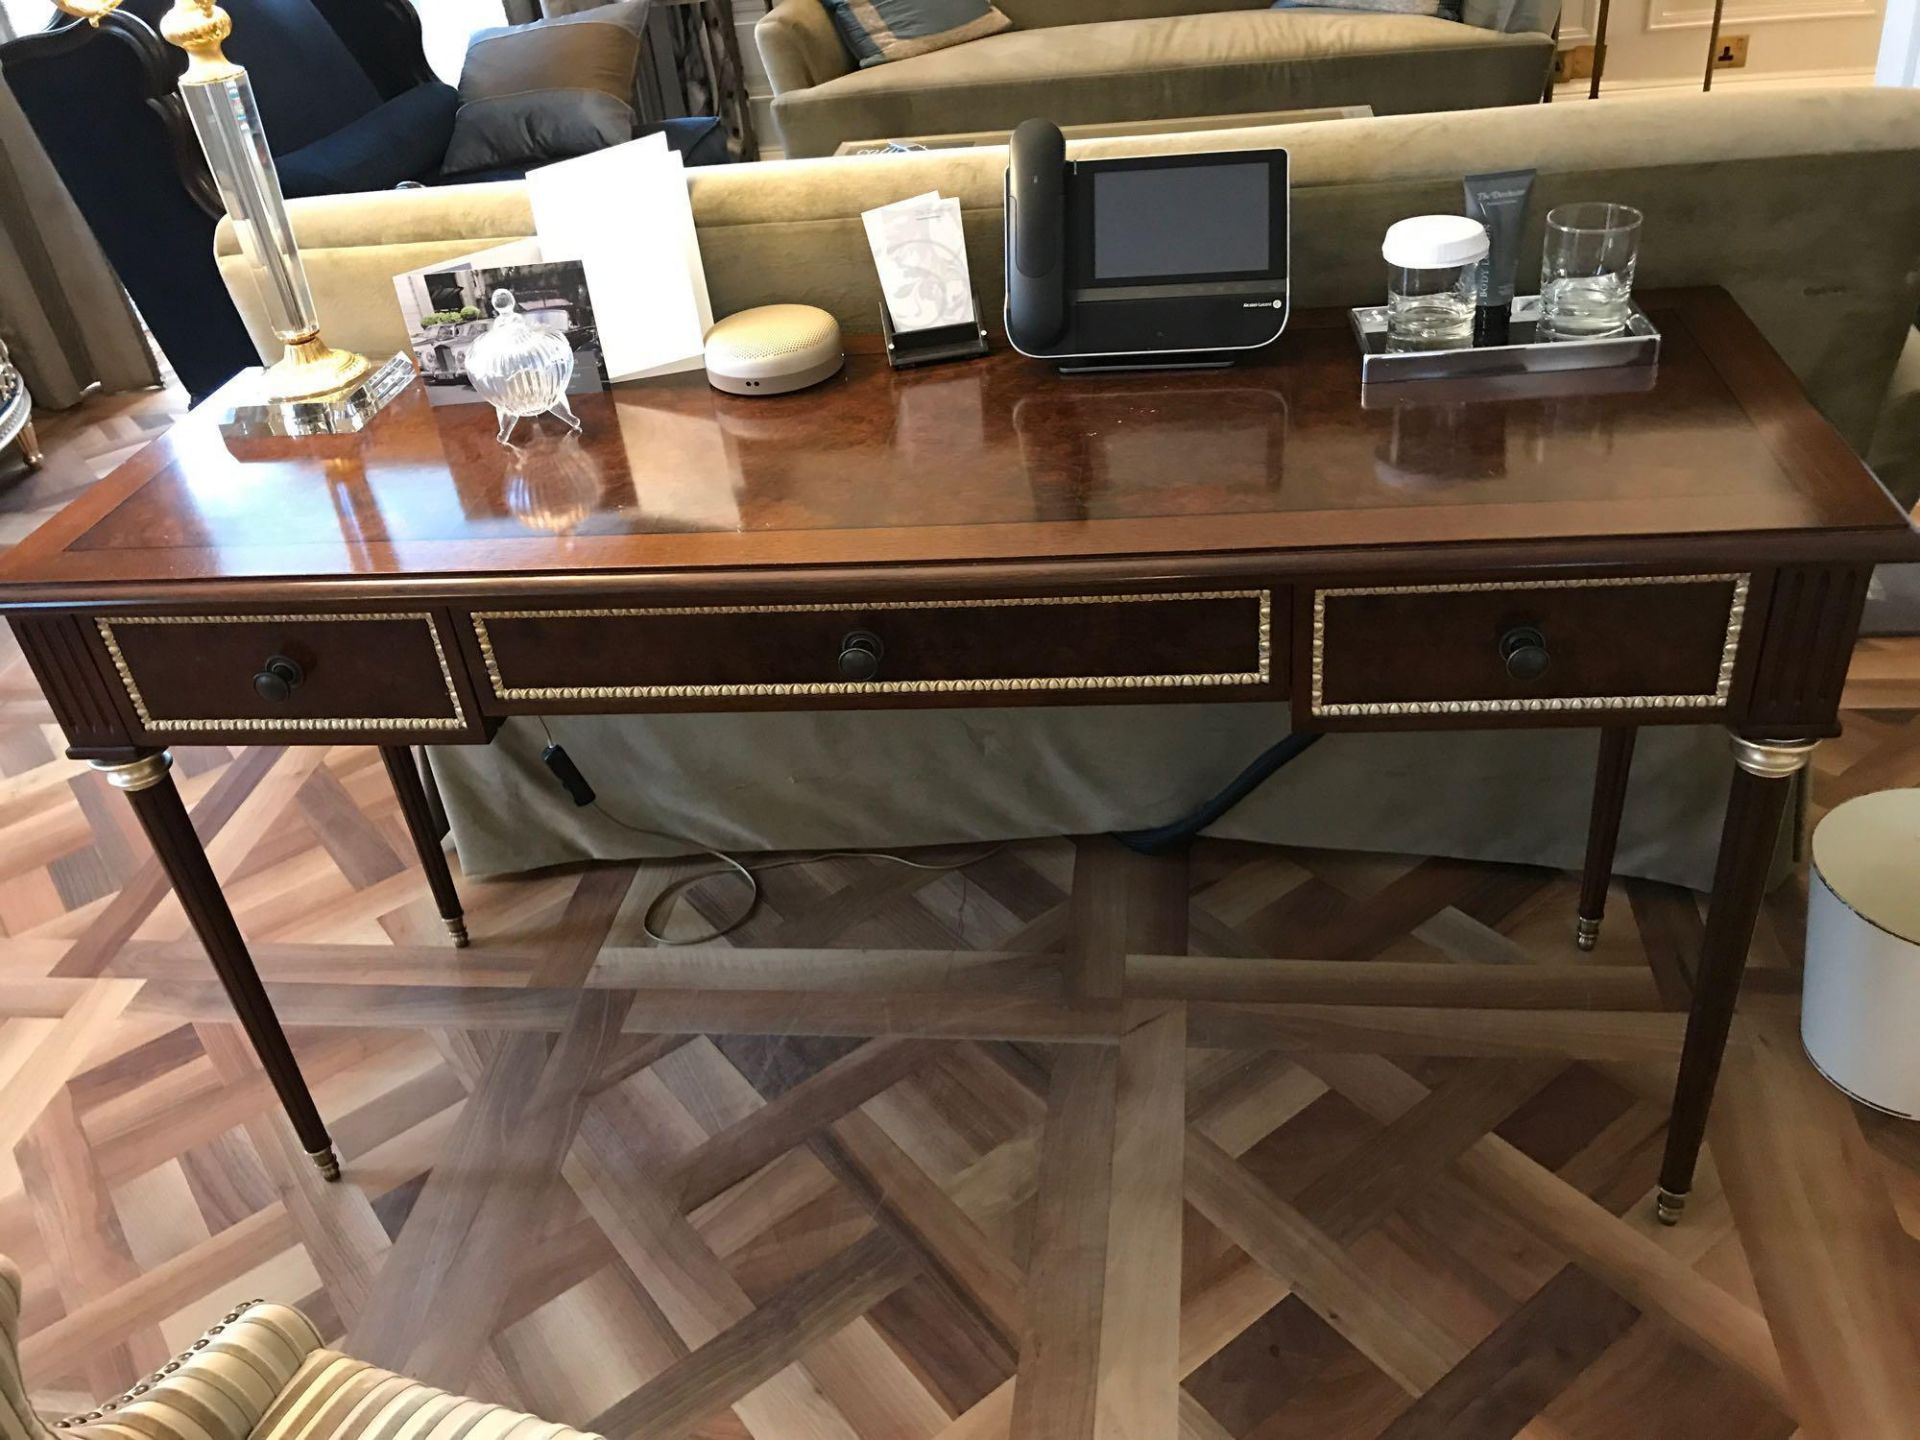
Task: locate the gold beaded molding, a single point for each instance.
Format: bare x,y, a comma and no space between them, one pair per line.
455,721
1715,699
172,1366
1257,676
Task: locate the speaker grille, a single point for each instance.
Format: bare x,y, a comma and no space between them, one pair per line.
770,331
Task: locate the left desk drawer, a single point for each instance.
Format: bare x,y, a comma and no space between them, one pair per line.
329,674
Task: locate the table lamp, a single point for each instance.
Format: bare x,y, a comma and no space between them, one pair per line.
312,388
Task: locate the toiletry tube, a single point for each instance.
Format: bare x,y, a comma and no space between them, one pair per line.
1498,201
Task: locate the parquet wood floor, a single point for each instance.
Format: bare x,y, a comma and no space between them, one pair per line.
1393,1185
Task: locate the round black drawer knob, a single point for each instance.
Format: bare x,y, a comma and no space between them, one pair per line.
860,654
278,678
1524,649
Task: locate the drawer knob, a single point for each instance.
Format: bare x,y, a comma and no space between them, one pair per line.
1524,649
860,654
278,678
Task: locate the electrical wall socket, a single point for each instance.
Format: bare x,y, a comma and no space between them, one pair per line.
1731,53
1573,63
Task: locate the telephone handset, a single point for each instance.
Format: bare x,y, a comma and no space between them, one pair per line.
1143,261
1036,235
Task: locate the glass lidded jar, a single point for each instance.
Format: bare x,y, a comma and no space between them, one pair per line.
1434,269
520,367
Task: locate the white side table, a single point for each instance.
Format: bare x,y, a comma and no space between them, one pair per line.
1860,1010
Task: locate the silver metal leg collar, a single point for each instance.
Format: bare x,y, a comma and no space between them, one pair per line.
131,775
1772,759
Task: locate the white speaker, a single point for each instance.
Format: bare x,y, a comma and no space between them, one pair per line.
773,349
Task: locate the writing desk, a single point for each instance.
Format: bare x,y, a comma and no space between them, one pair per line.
1609,549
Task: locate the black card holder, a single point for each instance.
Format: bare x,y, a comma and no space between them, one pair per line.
932,347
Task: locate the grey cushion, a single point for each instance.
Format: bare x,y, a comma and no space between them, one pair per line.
876,31
549,90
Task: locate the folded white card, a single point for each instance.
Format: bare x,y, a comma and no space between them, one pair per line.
624,214
920,250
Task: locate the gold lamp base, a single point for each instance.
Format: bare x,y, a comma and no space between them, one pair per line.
313,370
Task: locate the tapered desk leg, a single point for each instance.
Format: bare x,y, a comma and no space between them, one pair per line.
1603,830
433,857
1747,843
156,802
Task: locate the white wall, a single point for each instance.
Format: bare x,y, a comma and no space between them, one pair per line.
1664,42
1900,44
27,16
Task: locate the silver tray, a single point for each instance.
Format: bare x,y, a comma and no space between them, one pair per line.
1523,354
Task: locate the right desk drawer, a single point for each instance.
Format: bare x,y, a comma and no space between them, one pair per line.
1526,646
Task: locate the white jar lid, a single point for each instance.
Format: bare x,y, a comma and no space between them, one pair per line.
1435,242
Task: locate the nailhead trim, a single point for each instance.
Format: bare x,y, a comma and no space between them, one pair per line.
159,1375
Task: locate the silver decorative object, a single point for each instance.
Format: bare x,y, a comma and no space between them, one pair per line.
1529,351
521,368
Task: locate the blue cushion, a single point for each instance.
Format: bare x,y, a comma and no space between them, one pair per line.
401,139
1439,9
876,31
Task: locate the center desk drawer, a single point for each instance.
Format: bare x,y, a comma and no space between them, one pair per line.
1526,646
325,673
1116,645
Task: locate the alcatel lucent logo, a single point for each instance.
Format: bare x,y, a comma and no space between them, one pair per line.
1263,304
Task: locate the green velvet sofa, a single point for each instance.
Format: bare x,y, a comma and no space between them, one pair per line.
1095,61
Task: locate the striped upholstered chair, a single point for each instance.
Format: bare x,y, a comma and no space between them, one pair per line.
262,1372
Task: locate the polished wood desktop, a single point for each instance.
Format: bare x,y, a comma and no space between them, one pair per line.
1609,549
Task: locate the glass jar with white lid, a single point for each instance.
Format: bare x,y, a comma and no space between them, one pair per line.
1434,269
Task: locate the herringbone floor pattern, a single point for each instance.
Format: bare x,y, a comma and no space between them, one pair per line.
1394,1185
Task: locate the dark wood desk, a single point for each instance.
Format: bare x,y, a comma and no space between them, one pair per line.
1608,550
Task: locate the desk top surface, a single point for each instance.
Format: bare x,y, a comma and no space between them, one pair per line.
1001,460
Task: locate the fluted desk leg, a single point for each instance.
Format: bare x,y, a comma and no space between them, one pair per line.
1747,843
150,789
1603,830
405,775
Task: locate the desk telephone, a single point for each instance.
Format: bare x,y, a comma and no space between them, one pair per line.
1146,262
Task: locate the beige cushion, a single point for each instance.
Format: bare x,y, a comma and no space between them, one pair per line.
1214,64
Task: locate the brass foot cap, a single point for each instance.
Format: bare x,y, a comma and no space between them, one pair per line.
457,928
1667,1206
1586,933
326,1162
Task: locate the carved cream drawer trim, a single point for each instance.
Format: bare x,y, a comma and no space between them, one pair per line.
1256,676
1711,700
456,721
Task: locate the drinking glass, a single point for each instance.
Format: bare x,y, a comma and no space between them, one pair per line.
1586,269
